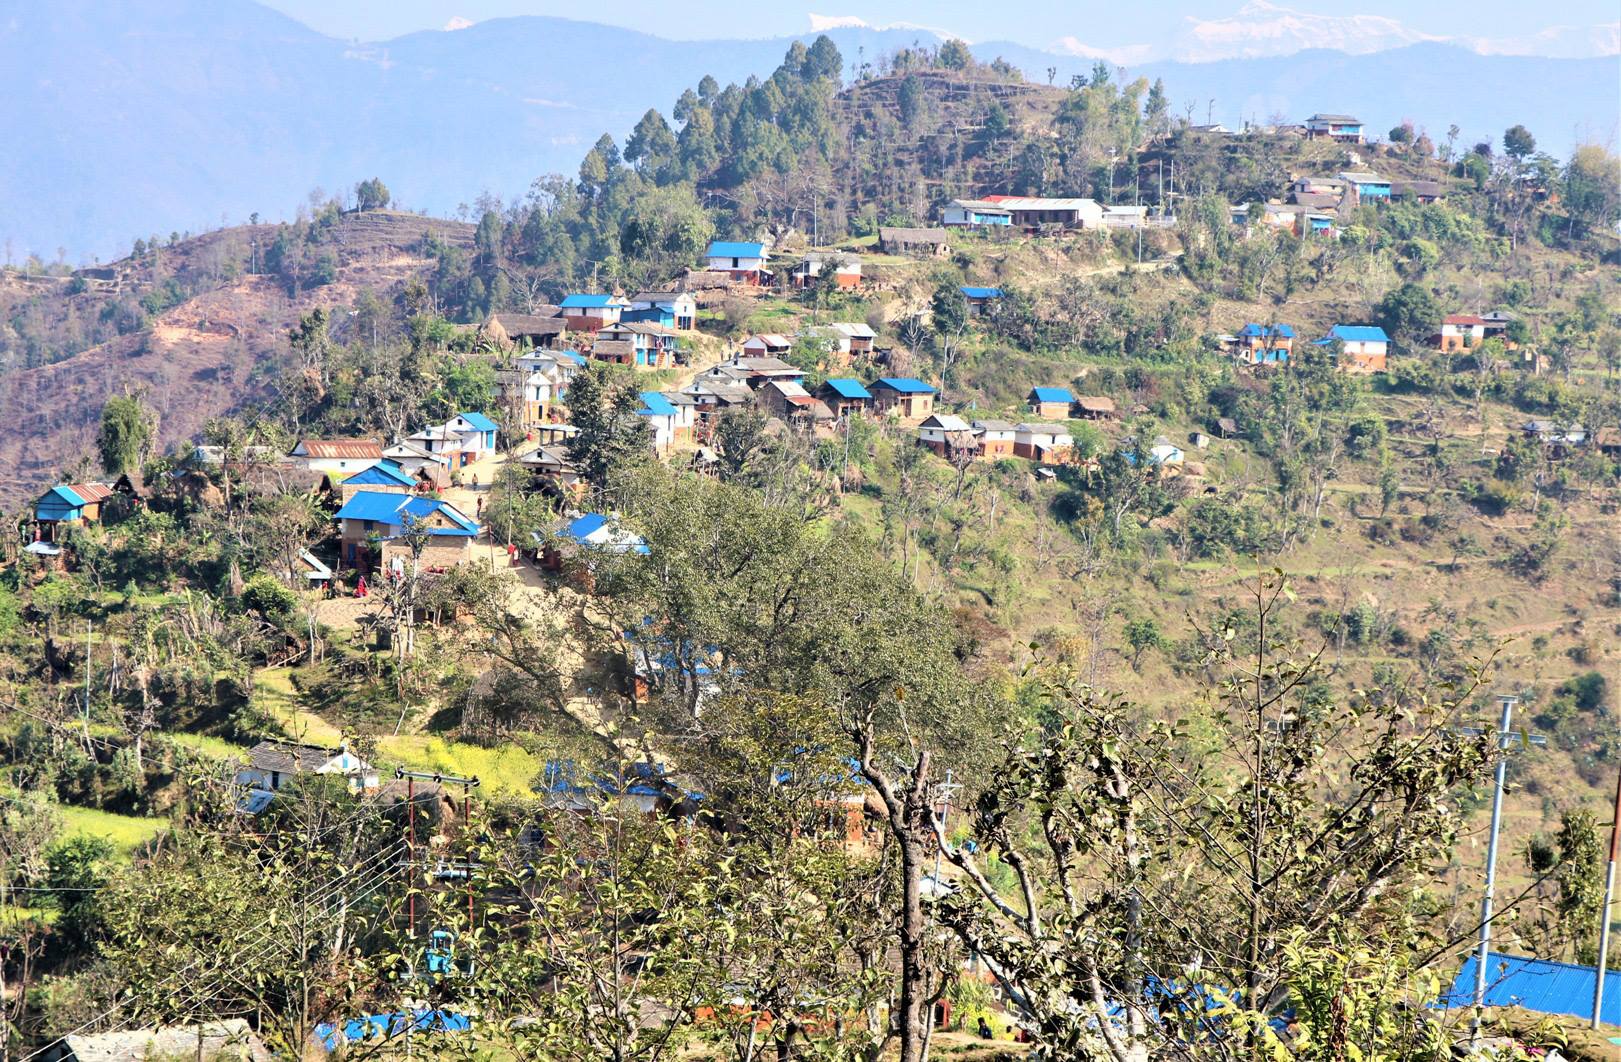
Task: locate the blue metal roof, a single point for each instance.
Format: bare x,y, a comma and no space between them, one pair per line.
1276,331
1052,394
393,509
583,527
576,358
480,421
585,302
654,404
382,473
1536,984
849,388
982,293
1356,334
906,385
735,249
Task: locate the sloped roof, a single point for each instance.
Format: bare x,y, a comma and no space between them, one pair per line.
1041,429
288,757
905,385
528,324
981,293
654,404
340,448
393,509
854,330
613,348
383,472
1096,403
901,234
479,421
1051,394
1356,334
587,302
789,388
1274,332
1462,319
945,422
735,249
994,425
1540,985
1335,118
852,389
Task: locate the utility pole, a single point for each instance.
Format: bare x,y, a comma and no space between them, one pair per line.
1604,911
1504,740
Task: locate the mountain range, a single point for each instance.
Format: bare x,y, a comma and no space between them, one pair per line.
156,115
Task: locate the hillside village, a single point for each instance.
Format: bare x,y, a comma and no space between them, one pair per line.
700,647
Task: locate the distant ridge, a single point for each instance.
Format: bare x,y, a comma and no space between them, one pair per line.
169,115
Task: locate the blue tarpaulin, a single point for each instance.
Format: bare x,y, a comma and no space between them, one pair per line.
380,1026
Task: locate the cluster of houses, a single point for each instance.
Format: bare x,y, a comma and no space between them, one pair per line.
1363,348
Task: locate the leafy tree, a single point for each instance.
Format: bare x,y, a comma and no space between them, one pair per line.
1518,143
1142,635
372,194
611,438
1409,314
949,320
954,55
128,430
651,143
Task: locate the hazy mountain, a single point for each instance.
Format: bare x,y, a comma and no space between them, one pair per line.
158,115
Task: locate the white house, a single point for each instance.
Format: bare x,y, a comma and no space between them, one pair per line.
966,213
1165,452
745,261
342,457
945,432
413,458
767,345
1042,442
272,764
846,268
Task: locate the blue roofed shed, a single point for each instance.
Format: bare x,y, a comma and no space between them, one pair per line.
903,396
382,474
1050,401
585,302
1539,985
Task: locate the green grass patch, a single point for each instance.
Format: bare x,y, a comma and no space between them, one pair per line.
507,769
124,831
273,694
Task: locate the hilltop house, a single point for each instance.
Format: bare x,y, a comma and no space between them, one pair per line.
1050,401
964,213
742,261
1363,348
846,269
672,309
460,441
852,337
1460,331
580,536
386,516
1264,344
1342,127
932,243
69,504
844,396
1043,443
270,765
1031,212
947,435
552,464
587,313
903,397
343,456
753,371
662,416
790,401
979,298
995,437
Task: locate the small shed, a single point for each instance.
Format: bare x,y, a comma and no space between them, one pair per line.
1050,402
1096,407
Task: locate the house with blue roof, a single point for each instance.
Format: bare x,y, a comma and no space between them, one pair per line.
1363,348
673,309
979,298
69,505
580,538
381,518
1258,344
669,416
1051,402
587,313
385,476
461,440
845,396
903,397
744,261
1538,985
1367,186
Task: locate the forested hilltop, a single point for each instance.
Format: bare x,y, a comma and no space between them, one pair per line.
706,609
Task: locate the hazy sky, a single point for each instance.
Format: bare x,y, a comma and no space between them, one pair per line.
1032,22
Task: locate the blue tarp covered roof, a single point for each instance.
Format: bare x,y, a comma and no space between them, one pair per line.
849,388
390,1025
906,385
982,293
1537,984
1052,394
735,249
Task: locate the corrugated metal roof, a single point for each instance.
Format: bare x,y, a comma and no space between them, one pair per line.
655,404
1275,331
383,472
1357,334
735,249
479,421
1536,984
340,448
587,302
848,389
981,293
905,385
1052,394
